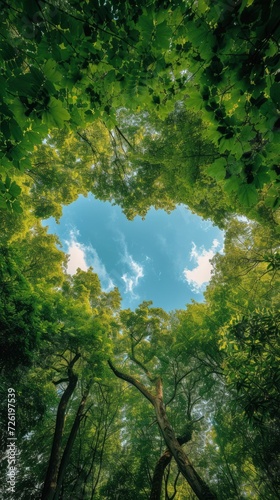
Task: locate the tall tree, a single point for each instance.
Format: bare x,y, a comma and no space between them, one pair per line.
146,329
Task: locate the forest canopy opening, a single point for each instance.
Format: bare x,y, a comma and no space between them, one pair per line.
147,104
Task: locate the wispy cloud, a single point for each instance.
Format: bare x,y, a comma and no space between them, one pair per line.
84,256
132,277
206,225
134,273
200,275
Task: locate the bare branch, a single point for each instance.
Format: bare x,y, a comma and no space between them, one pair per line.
124,138
176,383
141,365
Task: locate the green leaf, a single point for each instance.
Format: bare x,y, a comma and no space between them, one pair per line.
3,203
8,52
56,114
18,153
238,150
275,93
217,169
146,26
17,207
18,110
247,134
7,182
195,101
51,71
27,85
16,130
272,202
31,138
261,177
248,195
232,184
162,37
14,190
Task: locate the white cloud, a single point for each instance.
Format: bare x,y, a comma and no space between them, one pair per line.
132,276
200,275
83,256
77,254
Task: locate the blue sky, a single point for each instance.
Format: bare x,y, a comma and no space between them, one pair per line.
164,258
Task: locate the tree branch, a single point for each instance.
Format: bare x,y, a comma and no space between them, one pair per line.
133,381
137,362
197,484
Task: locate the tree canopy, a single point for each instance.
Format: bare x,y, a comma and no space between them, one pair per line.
142,104
69,64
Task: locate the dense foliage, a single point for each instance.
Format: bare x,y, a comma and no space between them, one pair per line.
69,64
143,104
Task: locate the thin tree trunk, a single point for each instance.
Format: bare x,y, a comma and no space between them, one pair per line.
50,484
160,467
69,445
197,484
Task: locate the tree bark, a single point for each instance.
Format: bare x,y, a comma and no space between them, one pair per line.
160,467
50,483
69,445
197,484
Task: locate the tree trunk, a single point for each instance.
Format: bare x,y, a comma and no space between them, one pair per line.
50,484
160,467
197,484
69,445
